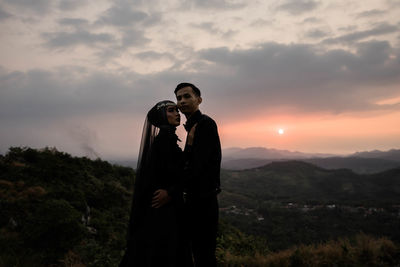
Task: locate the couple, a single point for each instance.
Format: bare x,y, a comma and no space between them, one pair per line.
174,214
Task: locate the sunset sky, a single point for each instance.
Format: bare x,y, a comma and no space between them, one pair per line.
81,75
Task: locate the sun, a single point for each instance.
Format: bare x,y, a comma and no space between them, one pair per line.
281,131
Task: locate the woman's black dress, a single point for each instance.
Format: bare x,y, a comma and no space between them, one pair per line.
154,233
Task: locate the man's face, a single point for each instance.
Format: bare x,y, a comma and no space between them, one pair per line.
188,101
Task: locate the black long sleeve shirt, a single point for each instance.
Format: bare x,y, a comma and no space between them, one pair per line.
202,158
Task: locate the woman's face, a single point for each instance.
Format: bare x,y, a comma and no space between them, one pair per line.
173,116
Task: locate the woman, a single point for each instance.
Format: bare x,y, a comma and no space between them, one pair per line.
154,237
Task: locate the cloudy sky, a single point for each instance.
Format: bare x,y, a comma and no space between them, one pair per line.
81,75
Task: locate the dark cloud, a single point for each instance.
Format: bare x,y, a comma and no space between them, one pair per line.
151,55
393,3
4,14
71,4
374,53
301,76
75,22
371,13
380,29
212,29
298,7
129,38
350,28
38,6
311,20
133,38
271,76
53,95
261,23
122,15
213,4
78,37
316,34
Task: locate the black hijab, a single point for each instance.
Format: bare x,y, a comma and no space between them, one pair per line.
156,123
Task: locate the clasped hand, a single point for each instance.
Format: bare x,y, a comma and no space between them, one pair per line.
160,198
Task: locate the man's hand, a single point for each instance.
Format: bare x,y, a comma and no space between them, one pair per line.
160,198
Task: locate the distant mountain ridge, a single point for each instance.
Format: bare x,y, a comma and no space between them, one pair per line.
268,153
393,154
298,181
360,162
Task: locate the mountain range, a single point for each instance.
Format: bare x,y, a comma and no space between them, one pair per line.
360,162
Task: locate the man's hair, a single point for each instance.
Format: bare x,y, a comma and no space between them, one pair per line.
196,90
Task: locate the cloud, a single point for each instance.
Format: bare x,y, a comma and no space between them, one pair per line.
72,4
298,7
4,14
378,30
40,7
78,37
212,29
261,23
393,3
374,53
133,37
302,77
151,55
122,15
316,34
371,13
63,93
81,34
213,4
75,22
267,77
311,20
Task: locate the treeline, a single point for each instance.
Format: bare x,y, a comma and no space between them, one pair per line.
60,210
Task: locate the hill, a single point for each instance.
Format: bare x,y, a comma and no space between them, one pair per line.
55,207
266,153
296,202
297,181
360,162
60,210
393,154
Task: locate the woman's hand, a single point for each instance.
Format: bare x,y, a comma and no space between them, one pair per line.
160,198
190,135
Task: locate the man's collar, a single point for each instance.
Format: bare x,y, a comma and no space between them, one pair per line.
192,120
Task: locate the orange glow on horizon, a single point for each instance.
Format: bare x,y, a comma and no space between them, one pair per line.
323,133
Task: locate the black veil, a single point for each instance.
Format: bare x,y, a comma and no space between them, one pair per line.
156,118
156,121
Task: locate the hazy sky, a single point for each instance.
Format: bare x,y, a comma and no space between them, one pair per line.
81,75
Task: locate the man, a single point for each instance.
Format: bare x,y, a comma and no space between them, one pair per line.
201,182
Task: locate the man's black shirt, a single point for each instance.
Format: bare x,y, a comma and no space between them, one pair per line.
203,157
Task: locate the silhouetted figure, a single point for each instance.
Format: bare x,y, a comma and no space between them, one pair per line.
201,176
154,237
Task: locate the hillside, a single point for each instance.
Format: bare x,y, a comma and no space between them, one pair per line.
296,181
60,210
295,202
58,207
393,154
356,164
361,162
